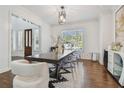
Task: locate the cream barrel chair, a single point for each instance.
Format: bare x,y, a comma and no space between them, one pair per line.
30,75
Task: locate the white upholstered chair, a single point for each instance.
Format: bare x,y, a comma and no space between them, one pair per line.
30,75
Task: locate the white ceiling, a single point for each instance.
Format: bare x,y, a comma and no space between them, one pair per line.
20,24
75,13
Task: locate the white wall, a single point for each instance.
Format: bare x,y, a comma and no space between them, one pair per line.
98,34
107,30
46,38
106,34
4,27
91,35
5,34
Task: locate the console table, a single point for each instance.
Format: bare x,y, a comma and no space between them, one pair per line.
116,65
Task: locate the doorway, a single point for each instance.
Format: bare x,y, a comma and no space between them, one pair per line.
27,42
20,27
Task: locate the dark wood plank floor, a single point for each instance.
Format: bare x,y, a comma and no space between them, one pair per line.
6,80
94,76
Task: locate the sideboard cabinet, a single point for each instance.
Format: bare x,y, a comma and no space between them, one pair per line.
116,65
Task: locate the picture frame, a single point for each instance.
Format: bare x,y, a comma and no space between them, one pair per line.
119,24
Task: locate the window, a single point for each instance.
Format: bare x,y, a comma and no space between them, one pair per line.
17,40
13,40
36,39
73,39
20,40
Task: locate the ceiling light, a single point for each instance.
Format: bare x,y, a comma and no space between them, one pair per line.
62,15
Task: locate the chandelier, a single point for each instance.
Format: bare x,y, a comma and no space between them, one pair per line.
62,16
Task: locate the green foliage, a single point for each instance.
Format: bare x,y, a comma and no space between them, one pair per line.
75,38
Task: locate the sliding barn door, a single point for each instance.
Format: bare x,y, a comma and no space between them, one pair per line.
28,42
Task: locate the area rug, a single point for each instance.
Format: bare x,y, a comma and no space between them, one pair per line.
74,80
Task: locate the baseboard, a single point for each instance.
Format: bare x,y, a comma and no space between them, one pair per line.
4,70
91,60
86,59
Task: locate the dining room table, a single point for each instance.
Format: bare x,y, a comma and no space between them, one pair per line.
52,58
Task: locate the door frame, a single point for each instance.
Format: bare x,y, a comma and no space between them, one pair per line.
10,14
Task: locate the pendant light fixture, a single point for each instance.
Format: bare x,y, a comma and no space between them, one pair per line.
62,16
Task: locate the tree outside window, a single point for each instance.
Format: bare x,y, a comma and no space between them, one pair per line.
73,39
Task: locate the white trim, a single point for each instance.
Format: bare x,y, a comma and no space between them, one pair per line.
4,70
118,8
9,37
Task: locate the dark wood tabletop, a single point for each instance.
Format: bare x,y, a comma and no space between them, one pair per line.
52,58
49,57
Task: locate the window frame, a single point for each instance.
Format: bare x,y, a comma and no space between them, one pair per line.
74,30
39,40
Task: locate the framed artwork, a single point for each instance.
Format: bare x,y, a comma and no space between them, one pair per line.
119,25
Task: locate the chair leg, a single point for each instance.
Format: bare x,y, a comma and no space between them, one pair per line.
72,70
76,69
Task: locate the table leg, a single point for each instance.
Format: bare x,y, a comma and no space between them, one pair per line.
56,74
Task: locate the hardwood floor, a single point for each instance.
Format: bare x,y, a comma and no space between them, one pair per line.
6,80
94,76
